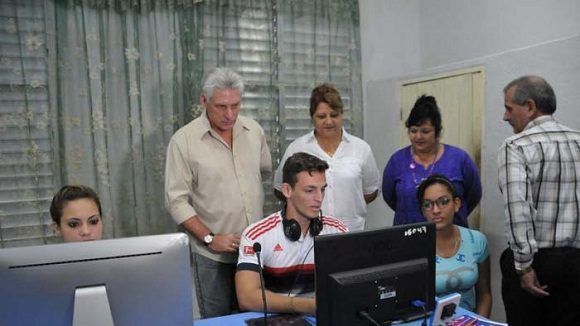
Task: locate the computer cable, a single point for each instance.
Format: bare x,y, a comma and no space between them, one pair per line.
365,315
421,304
300,269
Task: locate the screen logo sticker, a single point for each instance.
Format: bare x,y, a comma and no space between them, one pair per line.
386,292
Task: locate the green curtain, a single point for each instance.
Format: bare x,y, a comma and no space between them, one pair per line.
128,74
122,90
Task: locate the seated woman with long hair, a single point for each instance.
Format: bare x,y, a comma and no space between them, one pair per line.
76,213
462,256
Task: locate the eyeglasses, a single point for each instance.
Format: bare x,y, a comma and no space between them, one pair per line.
440,202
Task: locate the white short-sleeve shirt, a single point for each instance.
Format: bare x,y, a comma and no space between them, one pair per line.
353,173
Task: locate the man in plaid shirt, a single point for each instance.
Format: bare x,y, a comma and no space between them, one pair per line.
539,178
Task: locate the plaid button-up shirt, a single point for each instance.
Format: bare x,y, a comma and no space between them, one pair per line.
539,177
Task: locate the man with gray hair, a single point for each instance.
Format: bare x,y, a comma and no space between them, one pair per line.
539,177
213,186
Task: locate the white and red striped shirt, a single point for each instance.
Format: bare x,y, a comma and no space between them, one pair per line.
288,265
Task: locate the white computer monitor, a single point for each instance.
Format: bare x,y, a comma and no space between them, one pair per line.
129,281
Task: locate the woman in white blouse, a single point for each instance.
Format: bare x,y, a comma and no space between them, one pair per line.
353,178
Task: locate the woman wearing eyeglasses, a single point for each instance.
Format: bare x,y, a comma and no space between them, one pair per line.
462,257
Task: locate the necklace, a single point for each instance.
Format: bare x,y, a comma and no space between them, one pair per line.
413,166
330,152
455,244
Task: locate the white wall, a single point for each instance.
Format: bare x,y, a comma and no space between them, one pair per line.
507,38
455,30
389,30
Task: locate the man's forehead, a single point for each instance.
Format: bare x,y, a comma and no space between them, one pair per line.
307,176
510,92
508,102
225,92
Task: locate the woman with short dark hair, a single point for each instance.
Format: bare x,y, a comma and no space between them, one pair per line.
425,156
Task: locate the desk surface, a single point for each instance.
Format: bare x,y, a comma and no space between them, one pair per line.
239,319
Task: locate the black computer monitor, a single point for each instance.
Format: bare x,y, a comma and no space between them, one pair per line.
130,281
378,272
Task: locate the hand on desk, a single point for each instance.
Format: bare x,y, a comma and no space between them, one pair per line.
304,305
529,282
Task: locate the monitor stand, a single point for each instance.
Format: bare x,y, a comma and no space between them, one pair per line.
92,307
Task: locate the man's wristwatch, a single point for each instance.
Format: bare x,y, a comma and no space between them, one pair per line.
207,240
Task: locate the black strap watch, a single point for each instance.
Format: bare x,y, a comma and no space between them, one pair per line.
208,239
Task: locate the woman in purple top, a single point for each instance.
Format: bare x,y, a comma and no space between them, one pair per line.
424,157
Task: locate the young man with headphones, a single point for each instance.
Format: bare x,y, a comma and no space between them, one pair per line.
287,242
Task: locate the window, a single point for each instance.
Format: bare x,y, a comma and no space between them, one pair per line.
283,49
27,168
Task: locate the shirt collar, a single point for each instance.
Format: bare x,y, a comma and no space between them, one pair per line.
539,121
239,126
345,136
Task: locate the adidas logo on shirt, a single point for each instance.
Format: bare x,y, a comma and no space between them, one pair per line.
278,247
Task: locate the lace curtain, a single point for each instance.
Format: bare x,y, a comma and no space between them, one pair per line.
124,75
120,89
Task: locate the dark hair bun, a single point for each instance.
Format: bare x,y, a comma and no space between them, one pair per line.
426,100
425,110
